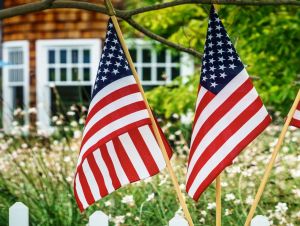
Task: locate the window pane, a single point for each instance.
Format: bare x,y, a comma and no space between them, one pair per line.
161,56
133,54
161,74
15,75
146,56
63,74
74,56
175,72
86,74
69,95
86,56
63,56
15,56
18,97
51,74
75,74
146,74
51,56
175,57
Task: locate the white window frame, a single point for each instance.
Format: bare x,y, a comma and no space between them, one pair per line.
7,85
43,85
186,62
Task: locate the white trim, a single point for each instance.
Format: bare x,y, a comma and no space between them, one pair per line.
7,92
42,83
186,64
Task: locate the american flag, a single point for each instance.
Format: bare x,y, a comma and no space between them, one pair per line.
229,113
118,145
296,117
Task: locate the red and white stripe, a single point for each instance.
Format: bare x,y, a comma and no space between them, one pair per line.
224,124
118,145
296,117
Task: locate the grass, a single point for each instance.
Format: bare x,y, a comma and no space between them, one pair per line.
38,170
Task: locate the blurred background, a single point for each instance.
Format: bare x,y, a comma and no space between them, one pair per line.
48,65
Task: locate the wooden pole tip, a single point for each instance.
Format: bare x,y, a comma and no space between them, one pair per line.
109,6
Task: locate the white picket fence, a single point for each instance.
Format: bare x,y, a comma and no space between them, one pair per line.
19,216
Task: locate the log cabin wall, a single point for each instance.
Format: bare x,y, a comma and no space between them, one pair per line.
52,24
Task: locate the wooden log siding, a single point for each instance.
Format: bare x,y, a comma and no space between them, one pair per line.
52,24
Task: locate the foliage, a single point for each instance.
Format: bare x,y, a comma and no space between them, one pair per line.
266,37
38,170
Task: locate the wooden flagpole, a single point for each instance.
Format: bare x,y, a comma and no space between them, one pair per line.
180,196
272,160
218,182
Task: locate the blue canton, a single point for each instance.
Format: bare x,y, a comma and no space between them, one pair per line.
113,63
220,63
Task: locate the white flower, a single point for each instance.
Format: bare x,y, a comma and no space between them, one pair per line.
229,197
71,113
107,203
119,220
77,134
128,199
211,206
150,197
281,207
249,200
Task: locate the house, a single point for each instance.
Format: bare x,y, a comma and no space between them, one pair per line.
61,48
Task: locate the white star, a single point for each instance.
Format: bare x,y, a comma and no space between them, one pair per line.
231,58
204,62
211,53
118,64
110,25
210,45
204,78
232,66
115,71
218,19
110,55
108,32
218,27
104,48
223,75
209,29
95,86
112,48
213,76
120,57
204,70
230,50
99,71
103,78
101,63
120,51
115,41
212,68
97,79
106,70
221,59
126,67
211,60
229,42
108,63
220,43
219,35
222,67
209,37
220,51
213,84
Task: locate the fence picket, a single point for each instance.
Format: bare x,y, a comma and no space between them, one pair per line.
18,215
178,221
98,218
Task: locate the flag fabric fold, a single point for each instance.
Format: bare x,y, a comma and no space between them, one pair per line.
229,113
118,145
296,117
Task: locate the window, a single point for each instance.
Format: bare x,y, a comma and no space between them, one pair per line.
157,67
15,82
66,70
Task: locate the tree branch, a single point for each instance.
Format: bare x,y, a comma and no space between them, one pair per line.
162,39
128,14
